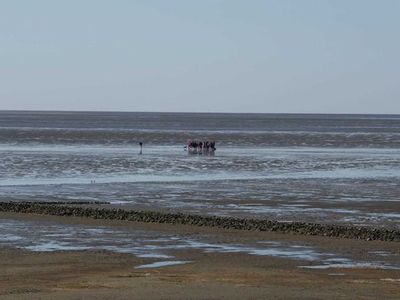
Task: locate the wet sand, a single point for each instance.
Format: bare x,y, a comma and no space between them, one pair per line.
104,275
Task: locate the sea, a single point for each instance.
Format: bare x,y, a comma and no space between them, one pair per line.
321,168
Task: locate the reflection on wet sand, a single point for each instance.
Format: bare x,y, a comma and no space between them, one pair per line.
356,186
153,245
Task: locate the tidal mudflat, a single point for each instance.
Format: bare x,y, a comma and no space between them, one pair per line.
316,168
45,236
126,258
331,169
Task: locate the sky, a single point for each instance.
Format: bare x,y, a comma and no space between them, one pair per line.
266,56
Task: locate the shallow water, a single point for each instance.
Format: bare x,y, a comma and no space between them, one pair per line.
163,248
159,264
319,168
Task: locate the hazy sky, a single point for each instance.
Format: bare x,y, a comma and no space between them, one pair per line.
201,55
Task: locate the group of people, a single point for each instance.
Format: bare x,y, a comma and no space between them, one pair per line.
200,147
194,147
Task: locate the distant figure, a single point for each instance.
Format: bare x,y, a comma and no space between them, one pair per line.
200,147
212,146
141,147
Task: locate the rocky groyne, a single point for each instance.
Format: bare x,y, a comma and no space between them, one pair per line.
330,230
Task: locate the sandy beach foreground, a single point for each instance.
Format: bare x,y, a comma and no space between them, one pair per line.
103,274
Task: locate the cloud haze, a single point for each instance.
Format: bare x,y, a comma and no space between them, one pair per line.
211,55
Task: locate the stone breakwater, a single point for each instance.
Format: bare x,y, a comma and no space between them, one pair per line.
329,230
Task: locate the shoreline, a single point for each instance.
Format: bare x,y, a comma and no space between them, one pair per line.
103,274
298,228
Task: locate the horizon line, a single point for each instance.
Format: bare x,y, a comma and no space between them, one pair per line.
192,112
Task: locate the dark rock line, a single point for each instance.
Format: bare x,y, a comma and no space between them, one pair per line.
303,228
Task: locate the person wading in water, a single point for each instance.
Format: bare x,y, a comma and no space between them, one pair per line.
141,147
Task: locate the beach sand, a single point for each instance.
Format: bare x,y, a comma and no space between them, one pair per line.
105,275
